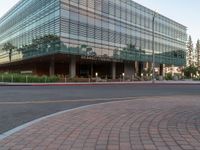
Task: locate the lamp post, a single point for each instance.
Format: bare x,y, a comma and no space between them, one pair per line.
153,51
96,74
123,75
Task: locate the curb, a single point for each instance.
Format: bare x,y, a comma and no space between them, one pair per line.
23,126
99,84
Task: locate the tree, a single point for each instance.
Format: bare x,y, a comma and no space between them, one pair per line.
47,43
198,52
189,51
115,54
190,71
8,47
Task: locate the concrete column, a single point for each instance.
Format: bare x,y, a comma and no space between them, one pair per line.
161,70
172,70
52,67
150,65
164,71
113,70
147,65
140,68
72,67
136,68
92,70
129,70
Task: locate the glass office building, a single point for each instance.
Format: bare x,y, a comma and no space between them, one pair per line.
78,33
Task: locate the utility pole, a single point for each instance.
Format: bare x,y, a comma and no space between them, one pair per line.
153,48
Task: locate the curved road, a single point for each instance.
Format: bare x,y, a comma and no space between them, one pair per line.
19,105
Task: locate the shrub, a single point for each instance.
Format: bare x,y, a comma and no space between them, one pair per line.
20,78
190,70
168,76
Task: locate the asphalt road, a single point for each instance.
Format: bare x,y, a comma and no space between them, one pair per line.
19,105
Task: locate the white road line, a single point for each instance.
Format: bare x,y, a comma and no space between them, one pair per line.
12,131
75,100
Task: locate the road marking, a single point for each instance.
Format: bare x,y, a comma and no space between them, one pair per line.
17,129
64,101
80,100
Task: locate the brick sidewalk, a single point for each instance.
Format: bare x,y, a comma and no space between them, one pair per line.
168,123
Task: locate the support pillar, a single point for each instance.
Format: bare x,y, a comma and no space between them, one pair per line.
129,70
72,67
147,65
91,70
136,68
146,68
52,67
164,70
172,70
161,70
140,68
113,70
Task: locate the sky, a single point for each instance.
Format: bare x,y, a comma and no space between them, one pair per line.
183,11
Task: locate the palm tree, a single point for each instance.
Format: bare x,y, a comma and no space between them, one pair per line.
8,47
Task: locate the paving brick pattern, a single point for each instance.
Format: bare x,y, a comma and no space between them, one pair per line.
155,123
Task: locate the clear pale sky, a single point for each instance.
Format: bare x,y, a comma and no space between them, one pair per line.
185,12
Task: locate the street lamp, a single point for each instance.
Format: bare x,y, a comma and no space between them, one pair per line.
153,51
123,75
96,74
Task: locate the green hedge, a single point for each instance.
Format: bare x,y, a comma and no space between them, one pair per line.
196,79
19,78
168,76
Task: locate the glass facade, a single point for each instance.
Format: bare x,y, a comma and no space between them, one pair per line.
27,21
107,29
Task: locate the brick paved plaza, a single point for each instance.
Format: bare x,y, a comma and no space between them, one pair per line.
155,123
